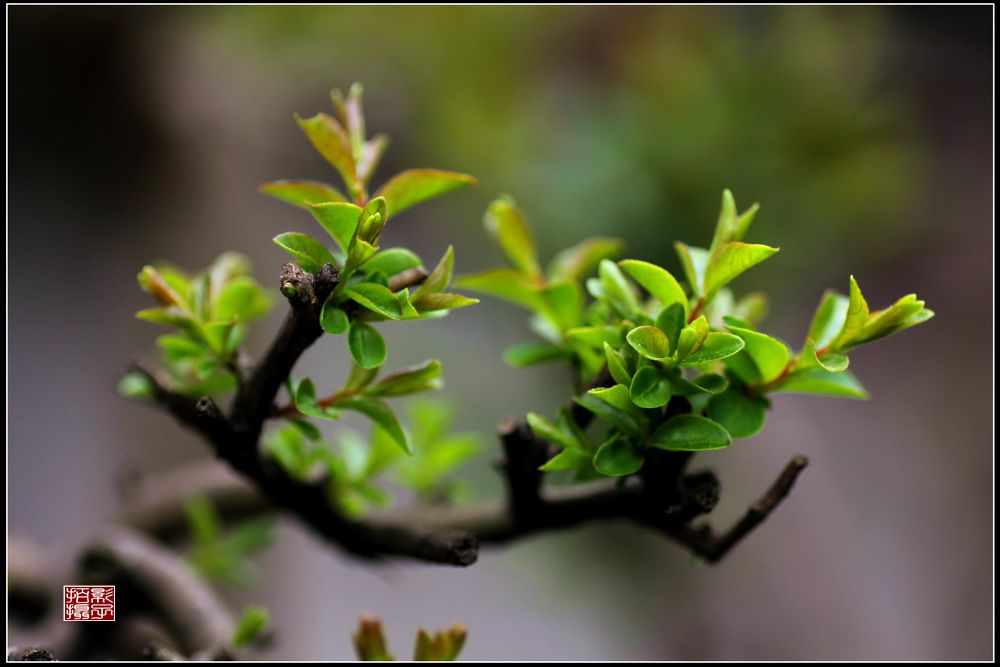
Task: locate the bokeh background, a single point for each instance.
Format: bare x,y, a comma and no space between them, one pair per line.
865,133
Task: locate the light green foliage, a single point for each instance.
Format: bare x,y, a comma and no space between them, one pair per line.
210,311
222,554
442,646
356,469
251,627
687,368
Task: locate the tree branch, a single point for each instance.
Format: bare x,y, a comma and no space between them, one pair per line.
665,499
235,439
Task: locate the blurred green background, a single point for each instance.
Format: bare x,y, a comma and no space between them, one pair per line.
865,133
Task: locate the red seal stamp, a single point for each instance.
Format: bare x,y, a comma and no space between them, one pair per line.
88,603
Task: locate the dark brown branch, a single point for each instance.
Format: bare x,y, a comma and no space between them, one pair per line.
306,294
30,654
148,576
711,547
235,439
666,499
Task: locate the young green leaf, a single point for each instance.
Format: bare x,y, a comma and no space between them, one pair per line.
434,302
330,139
413,186
690,433
741,415
569,459
692,337
546,430
375,298
818,381
379,413
391,262
828,319
409,380
508,284
153,283
857,316
695,263
135,385
671,321
650,388
439,278
578,261
615,416
729,261
618,457
596,337
769,354
302,193
310,253
506,223
657,281
617,366
617,290
717,346
529,354
650,342
251,626
339,219
731,227
366,345
371,221
333,319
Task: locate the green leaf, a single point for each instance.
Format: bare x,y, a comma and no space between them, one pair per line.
439,278
508,284
692,337
288,448
135,385
828,319
729,261
409,380
506,224
710,383
366,345
731,227
818,381
339,219
529,354
351,116
650,388
657,281
330,139
172,317
690,433
617,290
582,259
671,321
741,415
596,337
359,253
618,457
617,366
242,299
153,283
650,342
379,413
565,304
391,262
905,313
617,417
695,263
302,193
569,459
434,302
360,377
546,430
251,626
752,308
717,346
857,316
310,253
413,186
375,298
829,361
333,319
770,355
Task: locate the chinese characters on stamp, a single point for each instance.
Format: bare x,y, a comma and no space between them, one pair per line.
88,603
